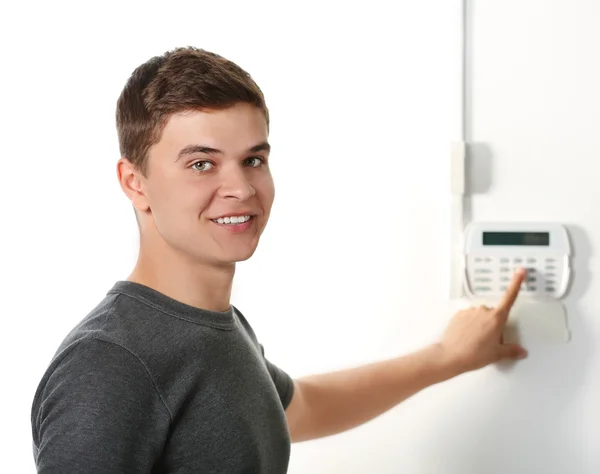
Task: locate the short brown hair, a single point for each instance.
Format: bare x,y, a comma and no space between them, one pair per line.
179,80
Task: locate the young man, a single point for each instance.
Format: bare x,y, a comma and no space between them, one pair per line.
164,374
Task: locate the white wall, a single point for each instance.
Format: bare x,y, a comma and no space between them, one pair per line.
354,264
534,105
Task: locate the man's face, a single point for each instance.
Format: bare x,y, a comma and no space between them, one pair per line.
206,176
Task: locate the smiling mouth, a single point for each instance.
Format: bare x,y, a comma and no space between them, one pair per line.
233,220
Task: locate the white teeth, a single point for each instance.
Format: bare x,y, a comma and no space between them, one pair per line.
232,220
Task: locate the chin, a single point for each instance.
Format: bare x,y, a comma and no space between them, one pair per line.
236,256
242,257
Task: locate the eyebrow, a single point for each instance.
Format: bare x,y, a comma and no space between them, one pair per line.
191,149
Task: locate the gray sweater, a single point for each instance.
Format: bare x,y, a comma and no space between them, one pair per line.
147,384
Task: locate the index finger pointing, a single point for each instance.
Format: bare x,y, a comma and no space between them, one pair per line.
512,291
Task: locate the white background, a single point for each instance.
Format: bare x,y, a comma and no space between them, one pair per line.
354,264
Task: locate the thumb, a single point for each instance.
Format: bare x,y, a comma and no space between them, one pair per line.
512,351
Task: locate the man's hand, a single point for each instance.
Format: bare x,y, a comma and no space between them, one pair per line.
473,339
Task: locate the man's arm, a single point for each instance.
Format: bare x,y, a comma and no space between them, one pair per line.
327,404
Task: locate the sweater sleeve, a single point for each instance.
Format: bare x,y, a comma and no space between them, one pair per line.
97,412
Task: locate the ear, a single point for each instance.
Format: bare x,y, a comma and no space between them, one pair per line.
131,181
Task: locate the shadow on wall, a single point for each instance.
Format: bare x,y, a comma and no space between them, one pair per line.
531,423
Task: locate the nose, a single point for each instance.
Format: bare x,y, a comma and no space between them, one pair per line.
235,185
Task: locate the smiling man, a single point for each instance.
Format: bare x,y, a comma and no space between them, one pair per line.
165,375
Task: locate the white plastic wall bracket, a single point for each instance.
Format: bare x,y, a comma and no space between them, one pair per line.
534,320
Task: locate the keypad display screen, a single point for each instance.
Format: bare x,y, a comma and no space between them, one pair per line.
516,238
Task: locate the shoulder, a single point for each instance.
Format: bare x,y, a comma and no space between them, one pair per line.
99,351
244,323
92,360
96,373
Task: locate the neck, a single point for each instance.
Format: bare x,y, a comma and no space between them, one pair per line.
194,283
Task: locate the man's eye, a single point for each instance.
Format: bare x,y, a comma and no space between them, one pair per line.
255,161
202,165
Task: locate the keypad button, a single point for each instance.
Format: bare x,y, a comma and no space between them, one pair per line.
483,270
483,280
492,274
